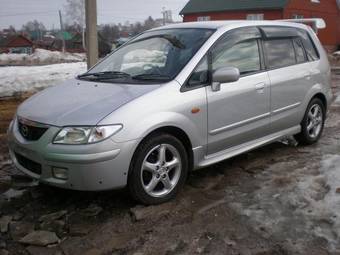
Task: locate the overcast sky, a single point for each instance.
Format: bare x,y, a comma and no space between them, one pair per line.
18,12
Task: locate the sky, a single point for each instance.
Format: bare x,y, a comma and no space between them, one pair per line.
18,12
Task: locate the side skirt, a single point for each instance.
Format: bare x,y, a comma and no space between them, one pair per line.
234,151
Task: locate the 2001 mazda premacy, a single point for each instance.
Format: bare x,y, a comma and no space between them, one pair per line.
173,99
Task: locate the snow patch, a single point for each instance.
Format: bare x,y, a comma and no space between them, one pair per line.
40,57
337,100
327,209
13,193
301,202
16,79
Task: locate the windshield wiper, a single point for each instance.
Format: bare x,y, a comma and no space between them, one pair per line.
151,76
104,75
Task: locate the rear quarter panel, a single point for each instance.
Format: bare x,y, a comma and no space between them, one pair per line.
320,75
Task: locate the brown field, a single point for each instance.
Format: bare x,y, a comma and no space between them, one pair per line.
8,107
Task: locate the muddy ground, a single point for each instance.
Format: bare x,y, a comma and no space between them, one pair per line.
280,199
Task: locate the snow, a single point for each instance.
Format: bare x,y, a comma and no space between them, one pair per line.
13,193
40,57
329,206
337,100
14,79
298,200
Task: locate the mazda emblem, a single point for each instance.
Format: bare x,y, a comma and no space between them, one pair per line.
24,131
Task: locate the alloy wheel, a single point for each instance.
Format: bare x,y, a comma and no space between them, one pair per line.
314,121
161,170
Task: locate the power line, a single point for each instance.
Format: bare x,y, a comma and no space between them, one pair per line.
25,13
119,17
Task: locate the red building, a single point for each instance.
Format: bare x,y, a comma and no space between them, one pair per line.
16,44
329,10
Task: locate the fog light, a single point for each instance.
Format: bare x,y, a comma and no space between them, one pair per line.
60,173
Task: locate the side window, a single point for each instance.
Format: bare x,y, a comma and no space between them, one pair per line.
311,51
299,51
243,55
279,53
200,75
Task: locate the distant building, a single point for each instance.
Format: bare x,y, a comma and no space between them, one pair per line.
46,42
329,10
73,42
16,44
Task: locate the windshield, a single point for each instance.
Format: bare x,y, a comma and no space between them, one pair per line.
152,56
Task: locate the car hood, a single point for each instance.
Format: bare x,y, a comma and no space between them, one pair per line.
79,102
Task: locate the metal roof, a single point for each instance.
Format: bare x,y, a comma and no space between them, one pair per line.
201,6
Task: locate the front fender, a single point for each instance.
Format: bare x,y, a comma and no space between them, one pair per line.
155,121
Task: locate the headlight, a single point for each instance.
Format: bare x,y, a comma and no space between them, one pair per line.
85,135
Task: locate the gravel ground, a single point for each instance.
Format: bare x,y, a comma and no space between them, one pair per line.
280,199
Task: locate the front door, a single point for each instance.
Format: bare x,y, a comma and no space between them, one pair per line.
240,111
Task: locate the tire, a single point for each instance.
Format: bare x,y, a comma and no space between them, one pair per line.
312,126
158,169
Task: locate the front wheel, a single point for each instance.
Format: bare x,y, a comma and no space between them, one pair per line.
313,123
158,169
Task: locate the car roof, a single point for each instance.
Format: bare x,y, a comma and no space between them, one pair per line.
231,23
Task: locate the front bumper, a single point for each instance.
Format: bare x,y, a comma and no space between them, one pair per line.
99,166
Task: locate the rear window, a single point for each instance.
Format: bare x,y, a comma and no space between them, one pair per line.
279,53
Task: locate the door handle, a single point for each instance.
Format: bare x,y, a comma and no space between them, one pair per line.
260,87
307,75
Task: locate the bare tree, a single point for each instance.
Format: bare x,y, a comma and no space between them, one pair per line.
75,12
34,25
35,29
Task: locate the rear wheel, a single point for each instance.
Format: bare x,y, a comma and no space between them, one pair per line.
312,123
158,169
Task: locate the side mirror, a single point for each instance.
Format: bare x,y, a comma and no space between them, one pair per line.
224,75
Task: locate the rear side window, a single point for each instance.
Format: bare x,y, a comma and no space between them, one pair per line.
311,51
299,51
279,53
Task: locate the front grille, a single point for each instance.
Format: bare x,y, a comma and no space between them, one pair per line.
30,132
28,164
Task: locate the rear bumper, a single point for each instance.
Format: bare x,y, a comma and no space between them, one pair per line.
100,166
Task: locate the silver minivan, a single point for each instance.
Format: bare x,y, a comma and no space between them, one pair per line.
174,99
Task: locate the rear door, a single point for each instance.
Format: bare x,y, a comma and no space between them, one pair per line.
240,111
289,74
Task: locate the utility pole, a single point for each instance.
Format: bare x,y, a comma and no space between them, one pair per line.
163,13
91,32
62,31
